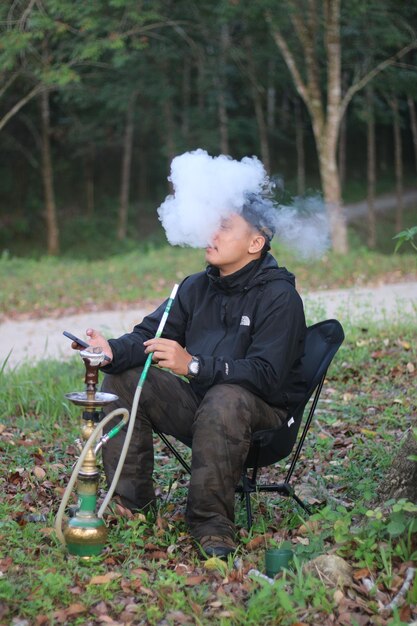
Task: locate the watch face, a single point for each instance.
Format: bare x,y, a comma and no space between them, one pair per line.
194,367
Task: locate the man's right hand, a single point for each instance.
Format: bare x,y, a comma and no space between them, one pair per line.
96,340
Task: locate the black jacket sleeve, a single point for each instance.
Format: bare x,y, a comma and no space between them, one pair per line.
128,350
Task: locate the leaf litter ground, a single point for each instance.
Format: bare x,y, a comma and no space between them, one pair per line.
152,573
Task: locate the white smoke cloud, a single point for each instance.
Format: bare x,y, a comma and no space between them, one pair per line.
304,227
206,189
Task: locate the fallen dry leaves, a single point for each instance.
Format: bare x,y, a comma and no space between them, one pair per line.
32,489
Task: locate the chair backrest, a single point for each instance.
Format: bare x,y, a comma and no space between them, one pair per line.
322,342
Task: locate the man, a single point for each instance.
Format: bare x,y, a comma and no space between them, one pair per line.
231,351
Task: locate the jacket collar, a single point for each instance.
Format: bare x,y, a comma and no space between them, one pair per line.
237,281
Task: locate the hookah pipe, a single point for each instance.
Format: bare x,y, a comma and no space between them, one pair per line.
86,533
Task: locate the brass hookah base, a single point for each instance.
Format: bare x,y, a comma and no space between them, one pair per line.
86,533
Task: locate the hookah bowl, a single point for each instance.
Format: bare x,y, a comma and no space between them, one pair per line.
86,534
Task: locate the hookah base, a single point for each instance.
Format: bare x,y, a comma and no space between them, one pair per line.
85,537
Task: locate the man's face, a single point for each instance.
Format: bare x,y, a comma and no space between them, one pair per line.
233,245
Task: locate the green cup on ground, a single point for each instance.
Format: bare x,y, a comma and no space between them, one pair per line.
277,559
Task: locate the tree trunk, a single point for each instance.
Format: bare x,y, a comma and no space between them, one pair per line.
89,178
221,90
223,120
299,144
169,130
401,479
263,135
201,91
285,112
142,181
393,102
271,97
126,167
186,99
342,143
371,166
326,134
413,121
328,143
342,152
52,231
384,149
325,119
332,196
258,106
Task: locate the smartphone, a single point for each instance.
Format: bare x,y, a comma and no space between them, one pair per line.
80,342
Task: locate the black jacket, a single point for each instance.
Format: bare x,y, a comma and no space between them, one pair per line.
247,328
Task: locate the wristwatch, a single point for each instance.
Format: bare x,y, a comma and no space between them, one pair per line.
193,367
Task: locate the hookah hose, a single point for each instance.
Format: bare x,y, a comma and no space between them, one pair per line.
78,465
133,412
105,438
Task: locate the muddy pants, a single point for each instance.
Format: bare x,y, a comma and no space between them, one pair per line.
220,427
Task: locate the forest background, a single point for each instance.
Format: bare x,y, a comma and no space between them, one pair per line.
97,98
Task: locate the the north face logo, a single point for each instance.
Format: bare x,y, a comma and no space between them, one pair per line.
245,321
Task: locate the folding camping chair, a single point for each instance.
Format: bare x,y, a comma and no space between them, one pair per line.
272,445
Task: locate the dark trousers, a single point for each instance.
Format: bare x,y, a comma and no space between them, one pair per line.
220,427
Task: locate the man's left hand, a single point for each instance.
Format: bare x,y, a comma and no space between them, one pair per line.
168,353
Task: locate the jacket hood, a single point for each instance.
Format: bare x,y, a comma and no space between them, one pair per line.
260,271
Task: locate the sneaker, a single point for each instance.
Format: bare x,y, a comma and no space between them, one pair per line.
213,545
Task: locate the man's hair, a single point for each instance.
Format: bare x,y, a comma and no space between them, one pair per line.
260,212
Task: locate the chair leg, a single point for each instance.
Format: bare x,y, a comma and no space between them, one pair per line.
248,510
247,487
284,489
303,505
175,452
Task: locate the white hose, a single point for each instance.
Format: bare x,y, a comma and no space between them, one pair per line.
98,429
77,468
134,409
123,453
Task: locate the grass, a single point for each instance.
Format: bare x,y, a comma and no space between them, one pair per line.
151,573
55,285
117,274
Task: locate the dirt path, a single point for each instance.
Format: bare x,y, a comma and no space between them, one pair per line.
383,204
42,339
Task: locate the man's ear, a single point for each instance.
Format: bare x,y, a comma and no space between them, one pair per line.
256,244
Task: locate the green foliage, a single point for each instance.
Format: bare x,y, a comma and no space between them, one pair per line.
397,518
409,235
